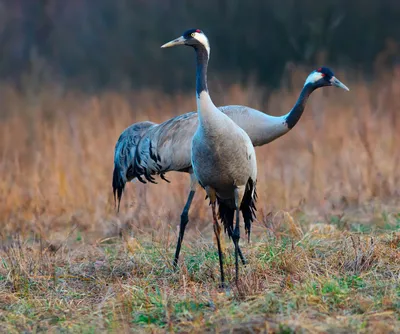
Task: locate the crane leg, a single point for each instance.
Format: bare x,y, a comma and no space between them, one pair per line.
236,232
217,232
242,258
185,217
184,222
236,237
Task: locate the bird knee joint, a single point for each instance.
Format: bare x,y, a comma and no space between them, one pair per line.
184,217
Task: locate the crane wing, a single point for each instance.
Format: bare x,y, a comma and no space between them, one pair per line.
164,148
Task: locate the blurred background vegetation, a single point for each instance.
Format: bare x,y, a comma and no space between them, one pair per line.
94,45
74,74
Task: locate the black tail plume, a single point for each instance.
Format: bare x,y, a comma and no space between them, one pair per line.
118,185
248,207
226,214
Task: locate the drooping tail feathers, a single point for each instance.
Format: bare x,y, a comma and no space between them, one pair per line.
125,150
248,208
118,185
147,161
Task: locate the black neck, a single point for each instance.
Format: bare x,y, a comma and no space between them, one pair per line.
293,117
201,71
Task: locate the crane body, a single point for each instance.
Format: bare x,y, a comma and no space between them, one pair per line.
155,149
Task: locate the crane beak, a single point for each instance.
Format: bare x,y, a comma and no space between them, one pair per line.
337,83
175,42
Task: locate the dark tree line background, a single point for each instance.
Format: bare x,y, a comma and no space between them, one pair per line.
97,44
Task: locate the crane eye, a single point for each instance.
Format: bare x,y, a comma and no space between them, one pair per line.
192,34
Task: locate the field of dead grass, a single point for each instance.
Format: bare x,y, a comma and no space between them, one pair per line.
324,256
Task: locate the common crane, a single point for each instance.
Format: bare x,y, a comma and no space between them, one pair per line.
146,149
222,154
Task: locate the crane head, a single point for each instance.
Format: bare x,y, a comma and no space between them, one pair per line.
192,37
324,77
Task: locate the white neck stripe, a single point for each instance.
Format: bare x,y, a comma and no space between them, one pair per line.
204,41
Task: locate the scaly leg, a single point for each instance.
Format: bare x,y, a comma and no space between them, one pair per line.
185,218
217,231
242,258
184,221
236,231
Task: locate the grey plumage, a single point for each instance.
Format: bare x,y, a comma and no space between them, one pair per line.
165,147
171,141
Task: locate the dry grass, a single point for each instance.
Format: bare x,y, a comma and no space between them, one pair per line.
325,255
